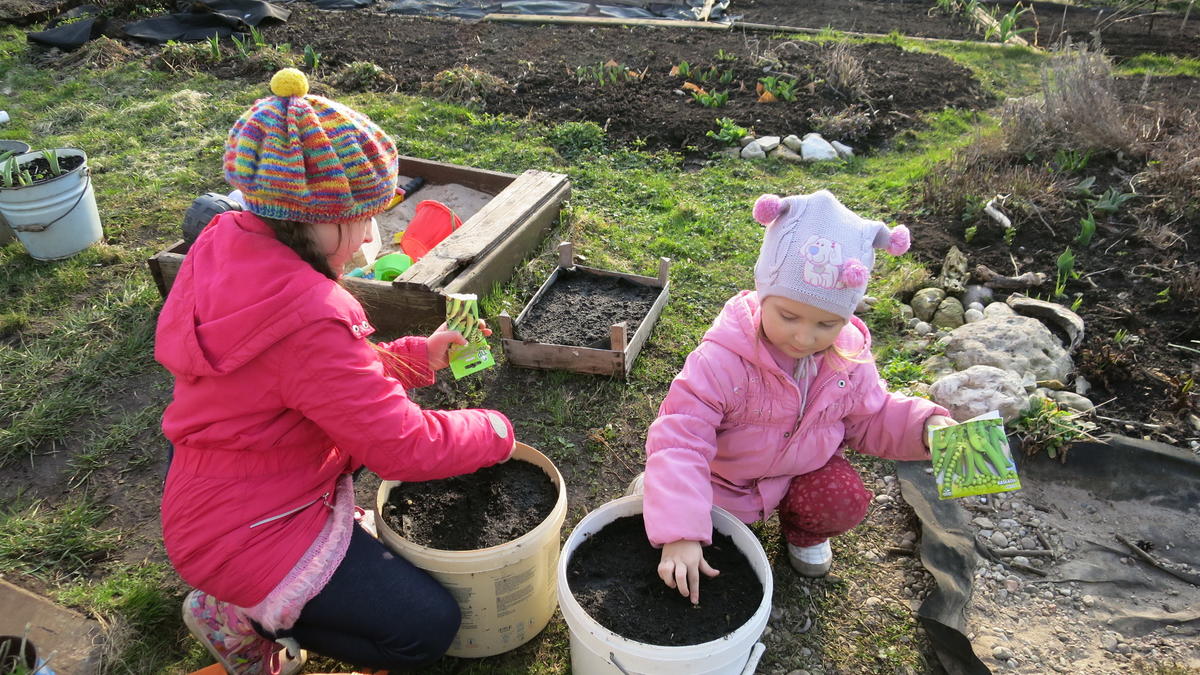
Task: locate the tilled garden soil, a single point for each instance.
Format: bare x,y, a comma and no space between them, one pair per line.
490,507
579,308
613,576
540,68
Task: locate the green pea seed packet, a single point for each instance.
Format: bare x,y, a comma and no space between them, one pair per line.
973,458
462,315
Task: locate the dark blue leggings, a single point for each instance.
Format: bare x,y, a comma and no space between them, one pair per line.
378,611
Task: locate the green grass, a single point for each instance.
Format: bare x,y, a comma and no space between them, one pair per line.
1163,65
81,393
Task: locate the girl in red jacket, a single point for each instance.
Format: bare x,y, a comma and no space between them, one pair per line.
279,397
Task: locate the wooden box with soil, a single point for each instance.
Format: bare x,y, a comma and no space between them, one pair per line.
495,236
585,319
621,613
492,538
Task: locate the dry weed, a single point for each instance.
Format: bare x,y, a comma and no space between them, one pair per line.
843,71
1077,110
98,54
464,85
1185,287
845,124
362,76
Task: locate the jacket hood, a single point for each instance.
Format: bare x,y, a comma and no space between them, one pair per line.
737,329
239,291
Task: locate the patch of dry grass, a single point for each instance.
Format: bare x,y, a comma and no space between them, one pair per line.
843,71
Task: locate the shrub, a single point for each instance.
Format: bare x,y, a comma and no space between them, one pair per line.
843,71
572,139
1078,109
362,76
464,85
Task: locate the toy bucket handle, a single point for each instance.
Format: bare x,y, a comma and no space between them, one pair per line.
42,227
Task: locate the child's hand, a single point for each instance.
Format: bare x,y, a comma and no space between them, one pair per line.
936,421
441,340
680,567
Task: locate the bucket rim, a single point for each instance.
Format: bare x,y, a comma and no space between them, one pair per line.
37,154
567,598
557,513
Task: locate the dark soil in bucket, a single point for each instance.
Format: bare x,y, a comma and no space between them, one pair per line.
492,506
40,171
614,577
579,308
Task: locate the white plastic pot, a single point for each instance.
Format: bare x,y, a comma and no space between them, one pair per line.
56,218
595,650
506,592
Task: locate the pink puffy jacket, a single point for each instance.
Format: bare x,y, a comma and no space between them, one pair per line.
277,394
731,432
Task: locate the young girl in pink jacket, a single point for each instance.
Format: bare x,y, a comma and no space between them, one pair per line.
782,381
279,397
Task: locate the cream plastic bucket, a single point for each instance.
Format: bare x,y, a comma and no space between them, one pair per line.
57,218
506,592
595,650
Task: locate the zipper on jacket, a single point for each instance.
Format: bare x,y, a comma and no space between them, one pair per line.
264,521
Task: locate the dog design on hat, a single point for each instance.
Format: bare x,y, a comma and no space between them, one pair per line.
822,262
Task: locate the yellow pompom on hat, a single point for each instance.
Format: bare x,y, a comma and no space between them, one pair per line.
289,82
297,156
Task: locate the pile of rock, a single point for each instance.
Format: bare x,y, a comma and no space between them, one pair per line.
996,352
811,148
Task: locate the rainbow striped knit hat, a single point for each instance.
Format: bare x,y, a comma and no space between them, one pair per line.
307,158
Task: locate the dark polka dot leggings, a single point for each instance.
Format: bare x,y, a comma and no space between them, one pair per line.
824,503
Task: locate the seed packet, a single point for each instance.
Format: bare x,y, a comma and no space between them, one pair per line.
462,315
973,458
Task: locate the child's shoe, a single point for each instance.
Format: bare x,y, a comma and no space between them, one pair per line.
637,485
811,561
233,642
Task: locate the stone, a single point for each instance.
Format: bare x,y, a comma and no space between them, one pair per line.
753,150
1018,344
768,143
1109,642
1013,585
999,539
925,302
972,315
980,389
844,151
984,522
939,366
783,153
996,309
1001,653
792,142
955,274
745,140
1072,400
814,148
922,328
1064,320
884,499
76,641
949,314
906,311
977,293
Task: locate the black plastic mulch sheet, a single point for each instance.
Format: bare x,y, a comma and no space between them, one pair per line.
71,29
476,9
1145,491
207,18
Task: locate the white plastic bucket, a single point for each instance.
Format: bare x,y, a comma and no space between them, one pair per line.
596,650
506,592
57,218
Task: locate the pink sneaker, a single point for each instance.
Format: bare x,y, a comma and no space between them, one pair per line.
233,642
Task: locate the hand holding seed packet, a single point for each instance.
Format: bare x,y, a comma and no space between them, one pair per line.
973,458
462,315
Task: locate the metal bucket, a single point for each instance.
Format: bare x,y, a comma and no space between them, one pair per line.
57,218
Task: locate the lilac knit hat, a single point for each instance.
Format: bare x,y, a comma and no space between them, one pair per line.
307,158
819,252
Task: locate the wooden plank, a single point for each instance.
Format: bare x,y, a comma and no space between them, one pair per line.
506,325
441,173
533,199
559,357
537,296
642,334
497,265
604,21
164,266
396,310
617,336
566,255
704,13
635,278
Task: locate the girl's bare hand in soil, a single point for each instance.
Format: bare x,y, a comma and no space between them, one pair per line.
680,567
441,340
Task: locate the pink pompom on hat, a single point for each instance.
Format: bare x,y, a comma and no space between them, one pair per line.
817,251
